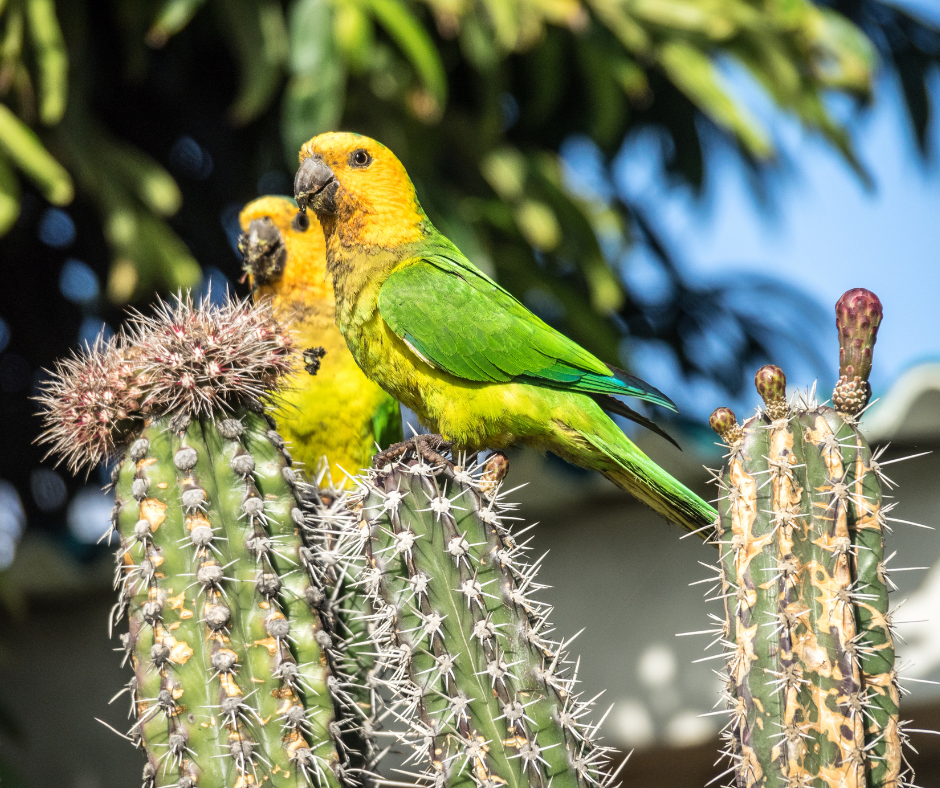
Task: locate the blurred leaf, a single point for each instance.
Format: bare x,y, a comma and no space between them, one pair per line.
259,35
413,40
313,100
11,44
313,104
503,17
615,17
695,75
538,225
9,196
505,171
152,184
172,17
24,149
51,59
709,18
848,58
605,94
910,44
355,35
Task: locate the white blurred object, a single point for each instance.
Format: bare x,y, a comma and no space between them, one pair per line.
12,522
89,514
633,724
687,728
917,625
657,666
907,411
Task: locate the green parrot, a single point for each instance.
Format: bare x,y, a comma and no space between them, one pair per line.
443,338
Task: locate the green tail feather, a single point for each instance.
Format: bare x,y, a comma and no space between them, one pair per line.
631,470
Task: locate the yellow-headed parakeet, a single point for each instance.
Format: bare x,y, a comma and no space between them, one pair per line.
447,341
330,408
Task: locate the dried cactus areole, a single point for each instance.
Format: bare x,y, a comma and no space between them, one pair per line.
480,693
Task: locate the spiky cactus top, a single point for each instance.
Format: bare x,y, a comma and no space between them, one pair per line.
811,680
233,664
183,360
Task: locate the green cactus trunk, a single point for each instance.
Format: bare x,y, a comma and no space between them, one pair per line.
810,651
480,692
231,662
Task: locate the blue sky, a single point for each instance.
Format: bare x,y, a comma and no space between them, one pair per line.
826,233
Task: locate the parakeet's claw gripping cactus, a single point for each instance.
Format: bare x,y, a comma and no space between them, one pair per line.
233,663
431,448
811,678
478,692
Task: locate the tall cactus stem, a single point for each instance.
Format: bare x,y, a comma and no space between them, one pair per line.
480,692
810,655
236,678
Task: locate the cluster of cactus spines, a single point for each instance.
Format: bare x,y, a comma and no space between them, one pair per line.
811,680
237,673
476,689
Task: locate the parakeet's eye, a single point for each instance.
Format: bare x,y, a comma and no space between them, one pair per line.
360,158
301,222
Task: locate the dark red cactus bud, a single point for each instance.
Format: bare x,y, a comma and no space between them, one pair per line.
724,422
771,384
858,315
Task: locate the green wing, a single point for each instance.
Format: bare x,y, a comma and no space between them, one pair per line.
464,323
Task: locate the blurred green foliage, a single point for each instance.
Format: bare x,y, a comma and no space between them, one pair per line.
477,97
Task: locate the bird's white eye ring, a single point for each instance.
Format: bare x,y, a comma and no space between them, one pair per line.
360,158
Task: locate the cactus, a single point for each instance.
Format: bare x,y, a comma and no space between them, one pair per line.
234,666
479,691
330,539
811,679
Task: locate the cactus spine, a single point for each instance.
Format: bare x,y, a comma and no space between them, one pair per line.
810,669
479,689
233,665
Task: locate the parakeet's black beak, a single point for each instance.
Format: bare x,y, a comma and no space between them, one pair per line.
315,186
264,254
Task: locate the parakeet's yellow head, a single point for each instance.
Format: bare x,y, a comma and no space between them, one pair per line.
360,191
283,251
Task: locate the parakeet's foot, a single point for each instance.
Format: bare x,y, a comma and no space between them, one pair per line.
428,447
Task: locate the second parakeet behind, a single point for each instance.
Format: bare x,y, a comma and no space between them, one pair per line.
330,409
451,344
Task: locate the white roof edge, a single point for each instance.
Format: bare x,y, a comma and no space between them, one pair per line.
885,417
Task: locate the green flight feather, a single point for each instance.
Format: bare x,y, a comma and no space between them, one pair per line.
464,323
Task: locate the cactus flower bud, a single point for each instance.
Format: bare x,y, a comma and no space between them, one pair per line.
724,422
772,386
858,316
